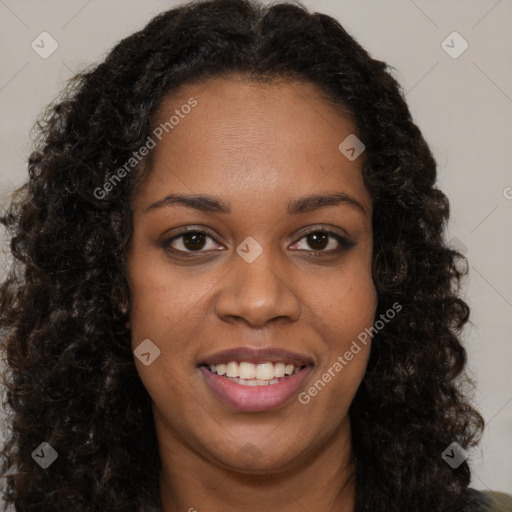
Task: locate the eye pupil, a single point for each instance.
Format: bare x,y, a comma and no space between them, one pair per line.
194,241
318,238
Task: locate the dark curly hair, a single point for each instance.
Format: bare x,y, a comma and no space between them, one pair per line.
70,376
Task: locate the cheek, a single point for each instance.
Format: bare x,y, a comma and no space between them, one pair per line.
346,317
355,308
348,299
161,309
349,323
162,297
345,329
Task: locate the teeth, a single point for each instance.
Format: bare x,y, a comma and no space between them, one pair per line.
279,370
264,371
232,369
247,371
256,374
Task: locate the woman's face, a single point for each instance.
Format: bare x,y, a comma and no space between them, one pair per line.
248,161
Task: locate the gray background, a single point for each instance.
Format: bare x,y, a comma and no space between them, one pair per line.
463,106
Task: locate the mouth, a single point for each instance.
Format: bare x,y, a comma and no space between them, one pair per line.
251,380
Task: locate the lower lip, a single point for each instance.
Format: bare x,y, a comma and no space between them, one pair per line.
254,398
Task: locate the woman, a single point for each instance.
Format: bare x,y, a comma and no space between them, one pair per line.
231,289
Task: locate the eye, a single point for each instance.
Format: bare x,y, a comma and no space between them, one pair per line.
325,242
191,240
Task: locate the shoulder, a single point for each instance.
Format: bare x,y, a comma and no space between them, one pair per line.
487,501
498,501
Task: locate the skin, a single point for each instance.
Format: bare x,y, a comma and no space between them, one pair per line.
256,146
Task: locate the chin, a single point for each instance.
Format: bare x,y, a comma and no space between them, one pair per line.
250,459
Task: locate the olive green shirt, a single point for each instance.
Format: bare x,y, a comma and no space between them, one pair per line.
499,501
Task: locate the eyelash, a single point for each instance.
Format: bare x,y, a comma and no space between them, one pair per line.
345,243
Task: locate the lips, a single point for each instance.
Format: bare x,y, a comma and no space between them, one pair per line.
254,395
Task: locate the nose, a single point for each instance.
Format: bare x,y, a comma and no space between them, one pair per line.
257,293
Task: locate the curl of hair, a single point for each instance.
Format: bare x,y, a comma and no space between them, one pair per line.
70,377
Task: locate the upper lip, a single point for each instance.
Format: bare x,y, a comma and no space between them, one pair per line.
257,356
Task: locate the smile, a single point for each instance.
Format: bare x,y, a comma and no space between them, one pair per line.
251,379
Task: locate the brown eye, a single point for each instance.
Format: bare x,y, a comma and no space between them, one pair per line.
190,241
324,242
318,241
194,241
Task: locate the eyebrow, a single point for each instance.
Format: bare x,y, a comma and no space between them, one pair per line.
211,204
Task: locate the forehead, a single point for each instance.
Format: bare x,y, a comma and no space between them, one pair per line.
248,137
